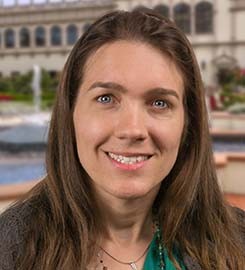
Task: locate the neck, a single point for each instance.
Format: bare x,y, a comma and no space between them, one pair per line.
134,228
128,229
127,221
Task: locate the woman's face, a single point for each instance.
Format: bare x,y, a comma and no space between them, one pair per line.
129,118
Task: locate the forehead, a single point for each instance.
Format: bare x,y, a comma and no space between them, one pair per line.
132,64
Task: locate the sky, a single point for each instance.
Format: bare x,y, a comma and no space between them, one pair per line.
25,2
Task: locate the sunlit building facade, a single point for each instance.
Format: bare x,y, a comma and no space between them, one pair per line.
43,33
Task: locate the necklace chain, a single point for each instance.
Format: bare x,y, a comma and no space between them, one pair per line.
132,264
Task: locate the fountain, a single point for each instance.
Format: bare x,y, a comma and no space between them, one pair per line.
31,132
36,87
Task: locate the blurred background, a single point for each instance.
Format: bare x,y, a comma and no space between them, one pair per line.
36,37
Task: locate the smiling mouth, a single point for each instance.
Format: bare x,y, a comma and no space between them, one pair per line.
129,160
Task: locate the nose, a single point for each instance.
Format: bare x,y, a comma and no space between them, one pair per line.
131,124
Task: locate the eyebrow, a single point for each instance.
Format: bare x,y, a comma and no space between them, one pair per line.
120,88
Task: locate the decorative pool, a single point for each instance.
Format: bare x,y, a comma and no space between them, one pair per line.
17,172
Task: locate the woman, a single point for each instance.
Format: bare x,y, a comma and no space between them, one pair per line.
131,181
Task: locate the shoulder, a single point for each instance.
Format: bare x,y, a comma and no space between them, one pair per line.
13,232
240,215
192,263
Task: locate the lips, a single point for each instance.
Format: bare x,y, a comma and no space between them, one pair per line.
128,159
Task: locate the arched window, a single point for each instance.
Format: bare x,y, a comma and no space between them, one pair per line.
55,36
162,9
9,38
86,27
71,34
204,17
40,38
24,37
182,17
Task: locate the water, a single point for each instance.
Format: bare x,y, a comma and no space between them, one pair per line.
24,134
229,146
24,140
18,172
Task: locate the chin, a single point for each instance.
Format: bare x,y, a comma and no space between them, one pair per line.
131,193
129,196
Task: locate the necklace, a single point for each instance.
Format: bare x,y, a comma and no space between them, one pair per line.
132,264
159,245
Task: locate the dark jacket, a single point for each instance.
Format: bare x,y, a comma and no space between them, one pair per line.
14,231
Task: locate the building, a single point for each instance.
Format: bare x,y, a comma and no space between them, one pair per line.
42,33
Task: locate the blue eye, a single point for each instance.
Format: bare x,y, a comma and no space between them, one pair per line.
160,103
105,99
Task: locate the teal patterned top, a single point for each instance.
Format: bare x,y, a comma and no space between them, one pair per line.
152,260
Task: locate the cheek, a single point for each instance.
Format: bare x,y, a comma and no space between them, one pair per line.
178,128
173,144
169,136
90,131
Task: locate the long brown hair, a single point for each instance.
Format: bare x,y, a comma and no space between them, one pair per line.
190,204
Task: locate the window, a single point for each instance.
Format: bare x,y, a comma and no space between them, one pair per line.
203,65
182,17
71,34
14,73
55,36
163,10
204,17
9,37
24,37
40,39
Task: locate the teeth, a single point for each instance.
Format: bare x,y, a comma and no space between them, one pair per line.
127,160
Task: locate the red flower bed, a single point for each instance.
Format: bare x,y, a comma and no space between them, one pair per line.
5,97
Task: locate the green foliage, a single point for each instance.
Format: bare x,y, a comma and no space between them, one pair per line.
230,96
17,84
48,84
20,89
22,83
5,85
234,76
231,80
48,99
225,76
